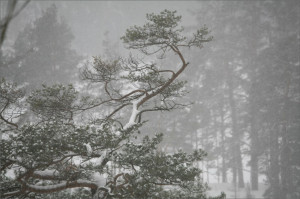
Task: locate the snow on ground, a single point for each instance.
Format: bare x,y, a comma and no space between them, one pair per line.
231,192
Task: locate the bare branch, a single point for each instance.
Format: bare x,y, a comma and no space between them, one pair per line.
11,13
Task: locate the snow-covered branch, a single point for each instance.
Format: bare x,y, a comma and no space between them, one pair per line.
46,174
133,115
60,186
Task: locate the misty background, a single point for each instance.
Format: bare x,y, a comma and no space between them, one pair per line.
243,87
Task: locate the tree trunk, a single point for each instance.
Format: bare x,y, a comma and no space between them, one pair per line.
223,150
240,168
254,153
254,171
285,155
238,165
274,164
285,173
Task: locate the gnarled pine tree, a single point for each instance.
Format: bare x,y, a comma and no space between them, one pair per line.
58,151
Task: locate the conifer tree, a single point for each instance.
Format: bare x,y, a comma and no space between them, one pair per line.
45,48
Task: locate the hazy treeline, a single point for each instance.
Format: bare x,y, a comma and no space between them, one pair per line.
244,87
246,95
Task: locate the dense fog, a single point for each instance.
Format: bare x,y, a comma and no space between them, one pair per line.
233,91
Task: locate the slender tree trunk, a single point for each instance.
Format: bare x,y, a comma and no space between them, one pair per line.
197,146
274,164
254,171
217,141
207,171
254,109
218,167
234,171
238,165
240,168
223,150
285,173
285,155
254,153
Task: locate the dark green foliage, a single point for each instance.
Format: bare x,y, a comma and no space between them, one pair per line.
162,33
10,93
38,147
11,107
53,103
105,71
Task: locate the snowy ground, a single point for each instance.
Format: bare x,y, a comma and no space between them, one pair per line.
231,192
